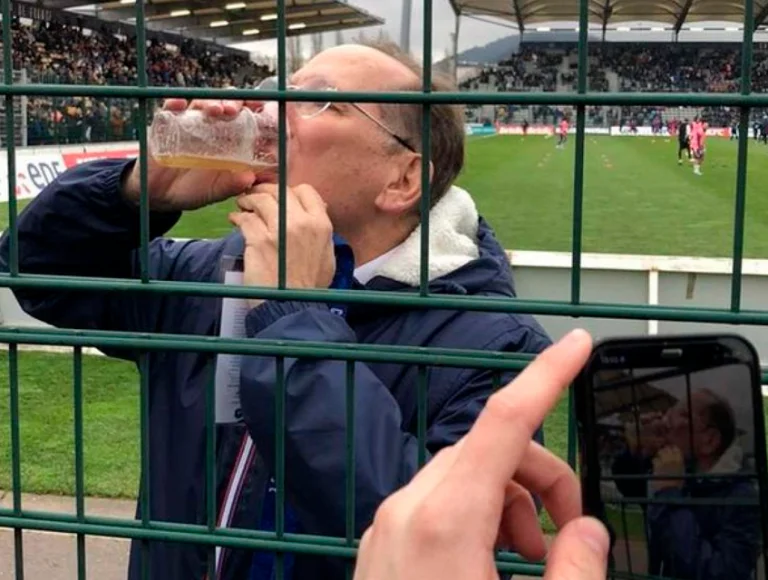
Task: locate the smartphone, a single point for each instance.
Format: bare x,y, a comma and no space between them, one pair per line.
672,453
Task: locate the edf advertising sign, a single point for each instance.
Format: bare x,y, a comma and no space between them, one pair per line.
479,129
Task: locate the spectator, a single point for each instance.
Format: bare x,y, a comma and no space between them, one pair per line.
693,541
366,166
51,52
653,67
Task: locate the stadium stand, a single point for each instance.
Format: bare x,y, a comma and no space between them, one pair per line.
51,52
616,66
57,53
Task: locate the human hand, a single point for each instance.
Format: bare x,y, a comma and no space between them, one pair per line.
171,189
652,434
668,461
310,261
476,495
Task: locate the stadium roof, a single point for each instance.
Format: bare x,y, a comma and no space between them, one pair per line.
671,12
228,21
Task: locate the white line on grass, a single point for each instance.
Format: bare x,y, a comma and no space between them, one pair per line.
66,535
479,137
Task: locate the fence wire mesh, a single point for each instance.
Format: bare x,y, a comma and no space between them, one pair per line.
145,530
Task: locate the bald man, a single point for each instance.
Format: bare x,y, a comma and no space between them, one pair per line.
689,540
354,185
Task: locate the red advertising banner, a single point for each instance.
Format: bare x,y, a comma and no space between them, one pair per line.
72,159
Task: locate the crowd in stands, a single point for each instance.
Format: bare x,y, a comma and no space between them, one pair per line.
528,70
672,67
51,52
635,67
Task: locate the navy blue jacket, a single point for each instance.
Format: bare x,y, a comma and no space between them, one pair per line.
697,542
80,225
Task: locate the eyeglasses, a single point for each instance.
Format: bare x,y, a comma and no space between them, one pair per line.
312,109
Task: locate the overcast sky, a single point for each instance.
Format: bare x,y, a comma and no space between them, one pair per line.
473,32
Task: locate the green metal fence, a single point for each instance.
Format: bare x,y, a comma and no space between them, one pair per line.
18,518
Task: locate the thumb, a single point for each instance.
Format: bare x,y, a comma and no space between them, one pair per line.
579,552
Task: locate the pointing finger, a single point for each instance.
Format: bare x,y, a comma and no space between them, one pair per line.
552,479
495,446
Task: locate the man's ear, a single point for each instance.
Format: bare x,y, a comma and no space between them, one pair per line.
402,193
710,441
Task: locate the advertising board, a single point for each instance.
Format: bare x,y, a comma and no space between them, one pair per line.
36,167
479,129
648,132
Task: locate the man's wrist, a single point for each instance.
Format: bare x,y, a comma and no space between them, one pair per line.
270,311
665,485
130,187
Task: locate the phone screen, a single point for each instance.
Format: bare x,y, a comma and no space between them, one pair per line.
677,464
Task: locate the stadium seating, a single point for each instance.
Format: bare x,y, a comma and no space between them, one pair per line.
649,67
54,53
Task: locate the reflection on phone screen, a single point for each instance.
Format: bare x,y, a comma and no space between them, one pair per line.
678,480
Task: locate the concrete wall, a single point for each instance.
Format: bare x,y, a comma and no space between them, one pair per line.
670,281
666,281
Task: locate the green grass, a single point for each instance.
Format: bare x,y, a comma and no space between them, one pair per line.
110,425
634,521
637,200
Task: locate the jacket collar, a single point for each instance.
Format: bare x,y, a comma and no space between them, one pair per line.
453,227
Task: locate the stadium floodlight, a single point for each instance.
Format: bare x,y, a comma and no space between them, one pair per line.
732,28
235,6
219,23
658,29
127,1
250,31
624,29
696,29
184,12
543,29
269,17
297,26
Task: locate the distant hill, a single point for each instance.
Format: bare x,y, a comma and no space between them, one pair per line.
492,52
500,49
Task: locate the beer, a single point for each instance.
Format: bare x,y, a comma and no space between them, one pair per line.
192,140
213,163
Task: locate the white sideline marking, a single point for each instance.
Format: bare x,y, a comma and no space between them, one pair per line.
89,350
479,137
63,535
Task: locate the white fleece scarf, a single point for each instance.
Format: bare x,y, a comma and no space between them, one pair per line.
453,224
731,461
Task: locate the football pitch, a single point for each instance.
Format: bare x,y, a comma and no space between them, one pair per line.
637,200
